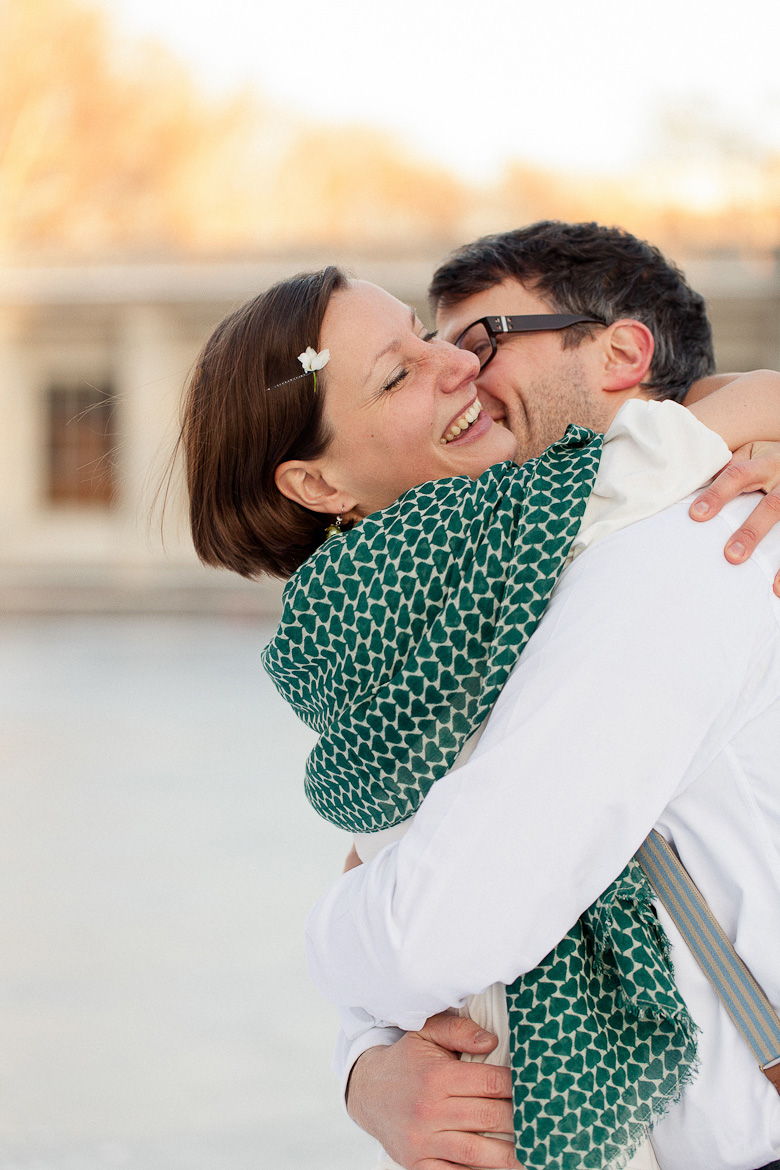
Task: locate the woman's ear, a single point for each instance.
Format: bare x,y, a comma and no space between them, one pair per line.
304,483
628,352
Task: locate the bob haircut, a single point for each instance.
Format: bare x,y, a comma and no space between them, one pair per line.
238,424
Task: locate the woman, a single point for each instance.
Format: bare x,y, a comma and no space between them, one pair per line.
397,639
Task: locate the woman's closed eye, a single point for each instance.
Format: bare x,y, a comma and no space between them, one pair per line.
397,378
393,382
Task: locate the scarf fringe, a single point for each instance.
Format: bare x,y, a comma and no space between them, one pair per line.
639,1132
604,930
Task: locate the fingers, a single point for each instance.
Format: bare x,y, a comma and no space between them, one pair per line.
456,1131
754,467
736,478
740,476
480,1114
471,1149
458,1034
760,521
437,1164
462,1079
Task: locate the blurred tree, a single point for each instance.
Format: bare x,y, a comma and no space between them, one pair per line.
357,186
711,181
110,147
107,147
705,185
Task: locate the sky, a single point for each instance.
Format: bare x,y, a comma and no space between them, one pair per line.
562,83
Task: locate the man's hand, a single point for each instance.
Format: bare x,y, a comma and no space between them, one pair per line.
755,467
426,1107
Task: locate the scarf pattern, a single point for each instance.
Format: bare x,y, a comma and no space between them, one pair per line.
395,641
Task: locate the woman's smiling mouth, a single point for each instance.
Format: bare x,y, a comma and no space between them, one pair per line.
462,422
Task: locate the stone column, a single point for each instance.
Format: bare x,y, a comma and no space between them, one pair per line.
22,439
150,368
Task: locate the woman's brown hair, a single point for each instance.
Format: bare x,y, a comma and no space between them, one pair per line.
236,429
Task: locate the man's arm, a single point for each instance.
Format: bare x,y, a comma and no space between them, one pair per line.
412,1092
620,694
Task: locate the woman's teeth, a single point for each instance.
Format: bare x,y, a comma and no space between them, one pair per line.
464,422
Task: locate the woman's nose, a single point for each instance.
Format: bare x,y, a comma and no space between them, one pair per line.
459,366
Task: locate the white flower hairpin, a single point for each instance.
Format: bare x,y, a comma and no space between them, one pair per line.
313,361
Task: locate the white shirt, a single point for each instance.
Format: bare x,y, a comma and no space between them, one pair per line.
654,454
649,695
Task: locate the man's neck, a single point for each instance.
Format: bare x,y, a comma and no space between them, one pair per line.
615,399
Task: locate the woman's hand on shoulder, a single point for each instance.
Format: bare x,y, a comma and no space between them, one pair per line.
754,467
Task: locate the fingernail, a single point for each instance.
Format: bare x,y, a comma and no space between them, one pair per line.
736,550
700,509
481,1037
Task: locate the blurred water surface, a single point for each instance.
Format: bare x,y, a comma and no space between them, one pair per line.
157,860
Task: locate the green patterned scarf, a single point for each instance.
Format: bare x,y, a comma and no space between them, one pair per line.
394,644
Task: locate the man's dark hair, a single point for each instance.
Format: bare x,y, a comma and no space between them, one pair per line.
602,271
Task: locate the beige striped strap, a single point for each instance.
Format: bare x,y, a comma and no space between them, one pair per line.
748,1007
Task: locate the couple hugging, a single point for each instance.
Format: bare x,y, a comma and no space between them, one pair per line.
521,657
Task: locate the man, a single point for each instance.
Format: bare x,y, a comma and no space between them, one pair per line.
586,749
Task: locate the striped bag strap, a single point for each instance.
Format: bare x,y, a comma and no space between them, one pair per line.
743,999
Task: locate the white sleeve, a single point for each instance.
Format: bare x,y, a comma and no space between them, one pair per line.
357,1035
628,688
654,454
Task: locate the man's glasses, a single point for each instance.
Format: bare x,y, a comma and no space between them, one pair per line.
480,336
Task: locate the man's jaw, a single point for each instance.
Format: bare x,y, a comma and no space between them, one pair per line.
508,411
494,407
513,418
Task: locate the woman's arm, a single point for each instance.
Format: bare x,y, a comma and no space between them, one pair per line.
705,386
740,407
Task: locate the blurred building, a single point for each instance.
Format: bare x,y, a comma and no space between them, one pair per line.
92,365
92,362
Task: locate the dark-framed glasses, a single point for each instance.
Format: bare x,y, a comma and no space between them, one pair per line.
480,336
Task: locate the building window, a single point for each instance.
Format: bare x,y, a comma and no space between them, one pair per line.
82,445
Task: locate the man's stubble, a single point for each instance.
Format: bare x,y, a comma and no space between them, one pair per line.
540,411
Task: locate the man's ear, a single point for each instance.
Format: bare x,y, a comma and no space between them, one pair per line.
628,351
304,482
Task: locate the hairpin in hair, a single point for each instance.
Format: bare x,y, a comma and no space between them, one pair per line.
311,362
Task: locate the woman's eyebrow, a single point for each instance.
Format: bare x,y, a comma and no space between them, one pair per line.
394,344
